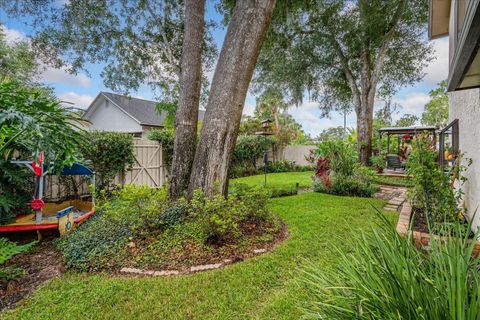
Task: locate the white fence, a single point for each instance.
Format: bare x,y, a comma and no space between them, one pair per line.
148,169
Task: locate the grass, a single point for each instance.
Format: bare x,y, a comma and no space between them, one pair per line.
393,181
278,180
265,287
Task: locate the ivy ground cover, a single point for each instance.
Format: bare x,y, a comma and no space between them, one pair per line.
265,287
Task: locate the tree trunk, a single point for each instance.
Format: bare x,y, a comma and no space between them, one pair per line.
364,129
235,66
186,117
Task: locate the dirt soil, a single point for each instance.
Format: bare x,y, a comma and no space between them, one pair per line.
41,264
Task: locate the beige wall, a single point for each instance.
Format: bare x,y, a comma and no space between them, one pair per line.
296,153
465,106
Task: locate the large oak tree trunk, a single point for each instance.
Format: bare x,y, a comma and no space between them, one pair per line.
364,129
235,66
186,116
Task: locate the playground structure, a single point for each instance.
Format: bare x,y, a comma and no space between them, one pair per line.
61,216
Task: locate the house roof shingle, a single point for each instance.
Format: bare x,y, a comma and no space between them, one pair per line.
140,109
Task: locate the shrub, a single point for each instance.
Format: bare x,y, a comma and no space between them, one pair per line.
248,149
383,276
221,217
100,242
138,213
166,138
351,186
433,193
110,153
378,162
345,186
342,156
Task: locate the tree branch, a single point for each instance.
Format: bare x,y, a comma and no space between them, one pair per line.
165,42
382,52
346,69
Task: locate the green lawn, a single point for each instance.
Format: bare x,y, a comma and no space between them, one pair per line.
265,287
283,179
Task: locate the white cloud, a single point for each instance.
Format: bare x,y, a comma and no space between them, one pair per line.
12,36
51,75
48,74
81,101
413,102
437,70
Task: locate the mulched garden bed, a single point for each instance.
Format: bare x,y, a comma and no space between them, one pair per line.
183,258
420,232
41,264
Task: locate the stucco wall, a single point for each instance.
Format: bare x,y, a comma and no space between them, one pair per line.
297,154
108,117
465,106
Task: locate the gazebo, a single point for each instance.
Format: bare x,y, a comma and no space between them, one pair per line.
401,132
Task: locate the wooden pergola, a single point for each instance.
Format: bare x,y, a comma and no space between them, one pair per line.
402,131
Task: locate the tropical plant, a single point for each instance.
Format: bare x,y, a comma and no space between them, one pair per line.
8,249
32,122
383,276
341,155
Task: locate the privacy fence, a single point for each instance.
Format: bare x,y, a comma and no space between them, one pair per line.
148,169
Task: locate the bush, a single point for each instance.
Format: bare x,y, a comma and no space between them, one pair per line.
248,149
166,138
110,153
100,243
345,186
433,193
221,217
378,162
342,156
337,171
140,214
383,276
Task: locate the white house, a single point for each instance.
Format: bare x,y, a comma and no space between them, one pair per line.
117,113
460,21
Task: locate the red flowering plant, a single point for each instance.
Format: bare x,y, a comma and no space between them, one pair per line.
322,171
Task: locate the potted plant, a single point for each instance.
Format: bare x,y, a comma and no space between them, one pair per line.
378,162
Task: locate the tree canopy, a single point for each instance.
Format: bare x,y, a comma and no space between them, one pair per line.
436,110
17,60
346,53
137,42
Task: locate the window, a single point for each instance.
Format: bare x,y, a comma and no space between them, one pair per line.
449,144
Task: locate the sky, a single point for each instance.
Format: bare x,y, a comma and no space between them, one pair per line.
82,88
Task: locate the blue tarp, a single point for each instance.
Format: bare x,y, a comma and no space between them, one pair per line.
76,169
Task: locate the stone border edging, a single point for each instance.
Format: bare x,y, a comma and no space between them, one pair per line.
193,269
421,239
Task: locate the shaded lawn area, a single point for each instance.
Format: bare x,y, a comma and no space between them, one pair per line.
278,180
265,287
